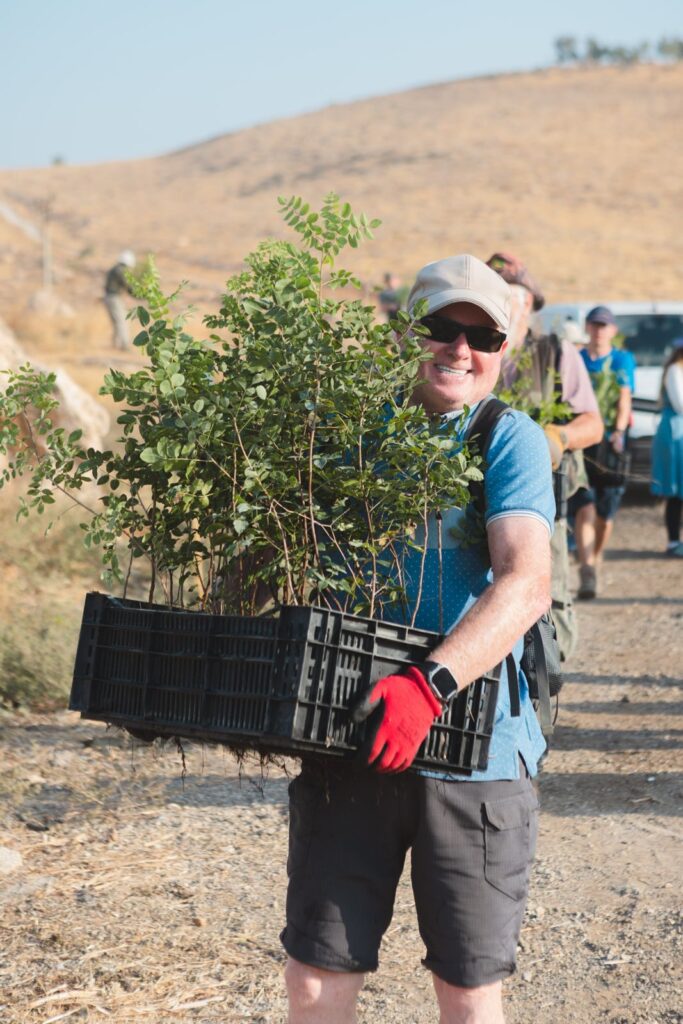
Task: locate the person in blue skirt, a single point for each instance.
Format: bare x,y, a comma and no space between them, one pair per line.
667,450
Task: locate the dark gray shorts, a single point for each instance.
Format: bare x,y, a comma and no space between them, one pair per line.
472,846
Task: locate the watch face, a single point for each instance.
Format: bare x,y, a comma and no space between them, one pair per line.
443,680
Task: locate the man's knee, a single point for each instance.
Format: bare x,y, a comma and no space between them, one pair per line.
311,988
480,1005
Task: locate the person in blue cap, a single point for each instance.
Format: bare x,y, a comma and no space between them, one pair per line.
612,372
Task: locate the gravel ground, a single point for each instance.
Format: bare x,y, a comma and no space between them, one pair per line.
143,895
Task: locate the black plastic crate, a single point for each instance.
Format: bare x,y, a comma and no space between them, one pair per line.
283,683
327,659
174,671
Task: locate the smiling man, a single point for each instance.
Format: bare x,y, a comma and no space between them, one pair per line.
472,837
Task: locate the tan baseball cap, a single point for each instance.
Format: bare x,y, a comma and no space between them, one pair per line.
512,270
463,278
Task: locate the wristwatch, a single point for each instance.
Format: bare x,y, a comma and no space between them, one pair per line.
440,680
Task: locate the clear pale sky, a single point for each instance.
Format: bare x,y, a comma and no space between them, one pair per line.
96,80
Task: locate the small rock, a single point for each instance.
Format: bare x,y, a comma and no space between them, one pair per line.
10,860
37,826
625,699
62,758
198,922
24,890
34,779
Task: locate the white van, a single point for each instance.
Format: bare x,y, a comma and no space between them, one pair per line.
647,329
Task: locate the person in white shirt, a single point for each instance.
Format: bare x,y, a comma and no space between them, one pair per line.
667,450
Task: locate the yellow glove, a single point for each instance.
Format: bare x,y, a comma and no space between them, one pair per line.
557,442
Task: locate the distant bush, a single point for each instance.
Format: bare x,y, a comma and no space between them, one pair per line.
36,660
44,577
670,48
569,50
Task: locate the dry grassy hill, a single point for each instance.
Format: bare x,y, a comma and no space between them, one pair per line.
579,170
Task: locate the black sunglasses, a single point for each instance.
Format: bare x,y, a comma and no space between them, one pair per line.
444,330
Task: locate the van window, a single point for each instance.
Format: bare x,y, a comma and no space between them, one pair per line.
649,336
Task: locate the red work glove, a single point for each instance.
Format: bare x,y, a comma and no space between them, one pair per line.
408,710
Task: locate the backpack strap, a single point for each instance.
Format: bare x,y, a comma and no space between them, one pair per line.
480,429
513,686
545,715
484,419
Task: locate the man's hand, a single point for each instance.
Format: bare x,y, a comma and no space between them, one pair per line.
408,710
557,442
617,441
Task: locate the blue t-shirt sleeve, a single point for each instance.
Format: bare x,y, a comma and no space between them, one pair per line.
624,365
518,479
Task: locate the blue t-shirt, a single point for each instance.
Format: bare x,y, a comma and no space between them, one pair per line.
517,482
621,363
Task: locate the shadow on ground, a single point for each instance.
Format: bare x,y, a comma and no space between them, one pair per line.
619,680
568,737
629,555
623,709
606,793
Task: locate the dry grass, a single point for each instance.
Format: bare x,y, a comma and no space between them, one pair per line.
148,896
578,169
44,577
117,907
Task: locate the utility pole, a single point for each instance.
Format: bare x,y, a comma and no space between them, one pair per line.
47,243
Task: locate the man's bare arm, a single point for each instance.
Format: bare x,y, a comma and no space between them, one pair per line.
584,430
518,596
623,409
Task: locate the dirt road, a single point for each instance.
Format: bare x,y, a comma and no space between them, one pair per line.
143,896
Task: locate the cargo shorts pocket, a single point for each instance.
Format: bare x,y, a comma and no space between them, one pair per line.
510,829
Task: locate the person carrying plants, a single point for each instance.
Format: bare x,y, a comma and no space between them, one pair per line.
593,507
115,286
550,378
472,837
